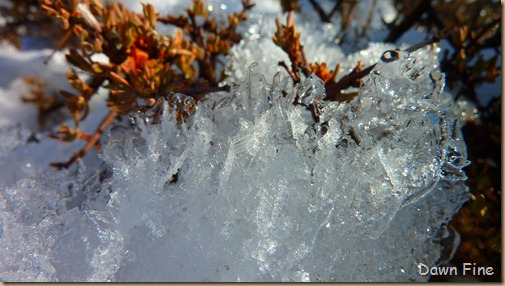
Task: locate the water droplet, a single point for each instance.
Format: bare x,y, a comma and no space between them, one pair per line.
189,105
178,99
132,119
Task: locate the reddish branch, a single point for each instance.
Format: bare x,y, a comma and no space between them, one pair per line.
92,141
333,90
143,65
288,39
322,14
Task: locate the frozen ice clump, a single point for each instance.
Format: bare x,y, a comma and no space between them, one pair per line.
310,90
251,189
403,130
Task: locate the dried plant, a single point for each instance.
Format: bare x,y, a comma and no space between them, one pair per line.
290,5
145,68
288,39
23,18
45,103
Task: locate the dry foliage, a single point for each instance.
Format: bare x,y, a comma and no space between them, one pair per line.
23,18
145,68
45,103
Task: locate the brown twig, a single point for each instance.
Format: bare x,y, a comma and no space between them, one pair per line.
369,18
288,39
346,19
92,141
322,14
335,8
333,90
485,29
320,11
398,30
60,45
295,78
434,39
205,90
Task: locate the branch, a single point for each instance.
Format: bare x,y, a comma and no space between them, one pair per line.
92,141
60,45
209,89
434,39
295,78
335,8
333,90
398,30
320,11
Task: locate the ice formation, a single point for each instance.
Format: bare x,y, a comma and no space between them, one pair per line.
250,188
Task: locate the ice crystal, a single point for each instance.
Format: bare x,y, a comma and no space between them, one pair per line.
264,194
311,90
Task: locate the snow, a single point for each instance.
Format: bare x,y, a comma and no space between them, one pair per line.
262,192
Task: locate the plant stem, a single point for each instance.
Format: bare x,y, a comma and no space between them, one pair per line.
92,141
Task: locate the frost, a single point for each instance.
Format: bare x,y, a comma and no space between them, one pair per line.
263,194
46,237
310,91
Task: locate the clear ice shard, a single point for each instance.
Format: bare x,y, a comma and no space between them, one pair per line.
310,90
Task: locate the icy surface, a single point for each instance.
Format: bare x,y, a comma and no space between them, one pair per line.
249,188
